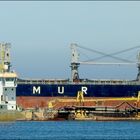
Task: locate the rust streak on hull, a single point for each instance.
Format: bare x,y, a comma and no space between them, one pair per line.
42,102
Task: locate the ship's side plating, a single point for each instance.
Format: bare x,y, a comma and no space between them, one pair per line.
94,89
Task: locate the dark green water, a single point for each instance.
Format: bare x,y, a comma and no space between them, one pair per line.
70,130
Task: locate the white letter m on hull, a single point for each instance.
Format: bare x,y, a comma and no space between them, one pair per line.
36,90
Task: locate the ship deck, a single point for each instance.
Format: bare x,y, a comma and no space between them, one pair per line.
81,82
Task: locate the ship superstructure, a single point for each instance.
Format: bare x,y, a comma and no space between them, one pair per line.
7,80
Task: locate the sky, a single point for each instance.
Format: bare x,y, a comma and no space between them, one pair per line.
41,32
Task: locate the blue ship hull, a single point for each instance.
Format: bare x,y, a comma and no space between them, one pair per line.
70,90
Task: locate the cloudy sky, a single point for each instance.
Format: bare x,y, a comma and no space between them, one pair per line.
41,33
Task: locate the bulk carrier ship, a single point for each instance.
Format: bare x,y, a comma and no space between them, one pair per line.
38,93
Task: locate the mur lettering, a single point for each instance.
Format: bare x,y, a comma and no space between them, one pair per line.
36,90
61,90
84,89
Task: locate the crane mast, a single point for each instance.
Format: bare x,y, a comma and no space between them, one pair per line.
74,62
138,75
5,57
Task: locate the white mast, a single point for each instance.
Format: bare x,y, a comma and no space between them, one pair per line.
74,62
138,75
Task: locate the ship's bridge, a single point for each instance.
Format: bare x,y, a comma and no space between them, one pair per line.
8,79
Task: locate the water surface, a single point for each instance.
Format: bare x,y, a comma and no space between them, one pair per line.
70,130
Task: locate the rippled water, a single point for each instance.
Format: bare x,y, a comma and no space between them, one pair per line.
70,130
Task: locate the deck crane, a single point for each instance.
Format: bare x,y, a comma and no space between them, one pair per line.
75,63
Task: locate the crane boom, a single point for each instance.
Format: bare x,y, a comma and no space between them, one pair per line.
108,63
75,63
